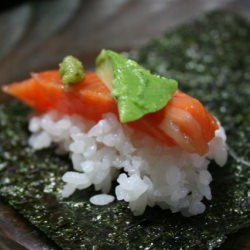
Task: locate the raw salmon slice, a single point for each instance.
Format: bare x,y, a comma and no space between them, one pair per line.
183,121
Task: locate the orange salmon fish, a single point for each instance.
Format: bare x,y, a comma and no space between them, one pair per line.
183,121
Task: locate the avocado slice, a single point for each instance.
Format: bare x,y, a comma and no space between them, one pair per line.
136,90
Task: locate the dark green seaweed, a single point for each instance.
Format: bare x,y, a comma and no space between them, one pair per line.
211,60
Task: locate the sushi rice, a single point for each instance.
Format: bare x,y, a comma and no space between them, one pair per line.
146,173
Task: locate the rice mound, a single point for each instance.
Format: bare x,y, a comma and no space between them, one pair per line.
147,173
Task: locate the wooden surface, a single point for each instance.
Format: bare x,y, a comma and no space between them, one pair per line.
42,32
36,35
16,233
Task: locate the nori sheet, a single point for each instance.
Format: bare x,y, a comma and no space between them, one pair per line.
211,60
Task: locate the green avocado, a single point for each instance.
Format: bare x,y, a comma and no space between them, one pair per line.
136,90
71,70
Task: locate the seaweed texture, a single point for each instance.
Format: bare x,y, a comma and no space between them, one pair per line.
211,60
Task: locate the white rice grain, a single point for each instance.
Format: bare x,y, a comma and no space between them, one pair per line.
77,179
102,199
147,173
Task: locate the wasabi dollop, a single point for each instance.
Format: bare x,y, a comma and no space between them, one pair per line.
71,70
136,90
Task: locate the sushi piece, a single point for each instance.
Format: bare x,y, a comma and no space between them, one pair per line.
158,153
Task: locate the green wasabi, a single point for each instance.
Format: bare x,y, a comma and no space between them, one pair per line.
137,91
71,70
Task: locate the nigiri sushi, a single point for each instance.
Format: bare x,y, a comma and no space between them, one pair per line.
123,123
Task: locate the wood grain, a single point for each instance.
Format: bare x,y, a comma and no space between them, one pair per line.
16,233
